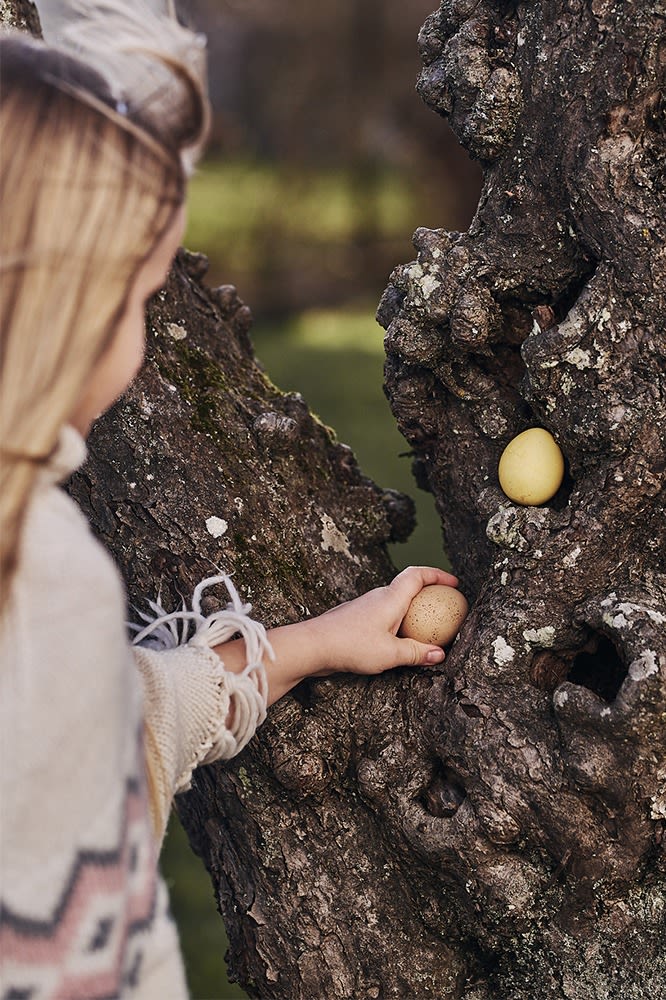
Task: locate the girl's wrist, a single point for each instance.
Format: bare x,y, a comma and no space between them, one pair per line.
298,654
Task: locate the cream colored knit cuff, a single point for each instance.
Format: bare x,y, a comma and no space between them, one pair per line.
246,692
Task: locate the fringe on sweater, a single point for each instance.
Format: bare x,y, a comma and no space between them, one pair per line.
241,705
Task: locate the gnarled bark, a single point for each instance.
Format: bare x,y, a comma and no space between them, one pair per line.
549,312
493,829
21,14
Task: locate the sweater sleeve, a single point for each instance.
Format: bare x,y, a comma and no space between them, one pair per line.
196,711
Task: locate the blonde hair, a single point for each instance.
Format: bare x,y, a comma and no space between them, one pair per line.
86,192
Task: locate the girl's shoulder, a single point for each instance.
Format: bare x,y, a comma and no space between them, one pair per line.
66,607
60,558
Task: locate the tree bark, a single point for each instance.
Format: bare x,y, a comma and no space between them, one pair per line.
493,829
21,14
549,312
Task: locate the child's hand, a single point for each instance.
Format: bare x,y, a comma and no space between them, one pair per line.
359,637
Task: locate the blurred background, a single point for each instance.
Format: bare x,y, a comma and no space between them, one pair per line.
322,162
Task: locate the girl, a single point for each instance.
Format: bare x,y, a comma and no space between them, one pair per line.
97,735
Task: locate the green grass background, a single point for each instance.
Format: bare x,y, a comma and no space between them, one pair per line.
244,214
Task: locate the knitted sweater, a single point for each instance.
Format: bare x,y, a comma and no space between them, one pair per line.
92,750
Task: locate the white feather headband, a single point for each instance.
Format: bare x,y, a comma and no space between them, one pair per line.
153,66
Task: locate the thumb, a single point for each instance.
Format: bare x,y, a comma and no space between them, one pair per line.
419,654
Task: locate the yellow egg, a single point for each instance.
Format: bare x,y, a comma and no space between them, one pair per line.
531,468
435,615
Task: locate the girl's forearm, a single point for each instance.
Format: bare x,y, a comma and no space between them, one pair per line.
360,636
297,656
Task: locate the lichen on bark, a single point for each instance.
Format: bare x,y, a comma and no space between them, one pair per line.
494,829
549,312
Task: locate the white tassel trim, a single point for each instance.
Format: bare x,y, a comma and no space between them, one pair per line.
248,690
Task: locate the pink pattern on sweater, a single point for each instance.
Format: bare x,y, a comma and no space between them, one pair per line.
109,896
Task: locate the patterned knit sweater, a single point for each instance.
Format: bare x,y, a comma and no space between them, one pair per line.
96,736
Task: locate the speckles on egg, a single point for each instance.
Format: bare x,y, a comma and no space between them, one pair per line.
435,615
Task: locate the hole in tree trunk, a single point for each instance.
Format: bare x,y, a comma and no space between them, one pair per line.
599,668
471,710
564,302
445,793
549,669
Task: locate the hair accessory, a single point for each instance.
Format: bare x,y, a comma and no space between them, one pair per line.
150,62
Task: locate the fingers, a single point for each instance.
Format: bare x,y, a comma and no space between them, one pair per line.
408,583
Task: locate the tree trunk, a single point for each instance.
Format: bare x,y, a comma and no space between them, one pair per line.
493,829
20,14
549,312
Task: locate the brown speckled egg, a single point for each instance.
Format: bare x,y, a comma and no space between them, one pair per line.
435,615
